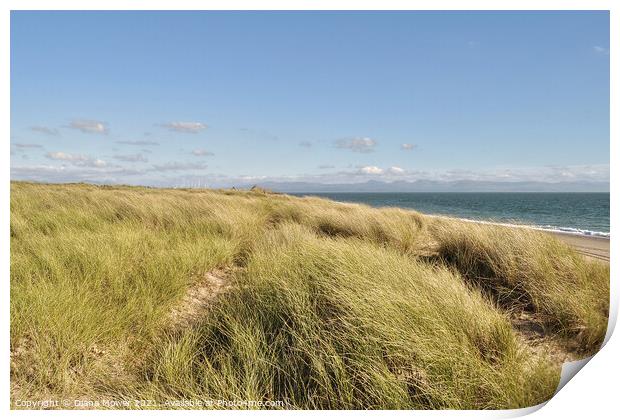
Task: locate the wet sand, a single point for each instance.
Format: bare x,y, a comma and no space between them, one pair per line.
593,247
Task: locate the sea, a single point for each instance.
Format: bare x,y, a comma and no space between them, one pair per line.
577,213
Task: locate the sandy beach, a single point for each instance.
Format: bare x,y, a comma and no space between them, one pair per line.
593,247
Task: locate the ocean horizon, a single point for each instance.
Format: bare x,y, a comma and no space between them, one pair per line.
577,213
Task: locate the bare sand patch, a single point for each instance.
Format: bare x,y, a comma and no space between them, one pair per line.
198,298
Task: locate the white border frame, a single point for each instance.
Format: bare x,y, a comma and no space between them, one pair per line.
592,394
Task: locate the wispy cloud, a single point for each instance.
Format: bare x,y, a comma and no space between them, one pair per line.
326,166
549,174
357,144
66,156
201,152
305,144
131,158
601,50
27,145
76,159
50,131
408,146
89,126
579,173
171,174
51,173
371,170
185,126
138,142
179,166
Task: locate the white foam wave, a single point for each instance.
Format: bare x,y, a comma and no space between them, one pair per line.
574,231
548,228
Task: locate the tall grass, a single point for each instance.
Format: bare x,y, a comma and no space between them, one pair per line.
95,270
332,305
340,323
527,268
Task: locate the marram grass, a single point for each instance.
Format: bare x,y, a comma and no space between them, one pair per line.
327,305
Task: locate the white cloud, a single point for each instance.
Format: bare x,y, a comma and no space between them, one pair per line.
375,170
75,159
326,166
305,144
408,146
601,50
395,170
50,131
357,144
131,158
201,152
27,145
186,126
371,170
89,126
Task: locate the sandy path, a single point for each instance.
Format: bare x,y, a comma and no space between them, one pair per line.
197,299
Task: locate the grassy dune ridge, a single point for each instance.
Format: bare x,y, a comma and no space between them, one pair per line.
329,305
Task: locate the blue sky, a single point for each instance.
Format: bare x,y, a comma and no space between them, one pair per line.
223,98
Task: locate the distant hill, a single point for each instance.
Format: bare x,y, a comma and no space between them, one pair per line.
435,186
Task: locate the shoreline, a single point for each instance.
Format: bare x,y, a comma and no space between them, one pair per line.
549,226
560,230
590,246
550,229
